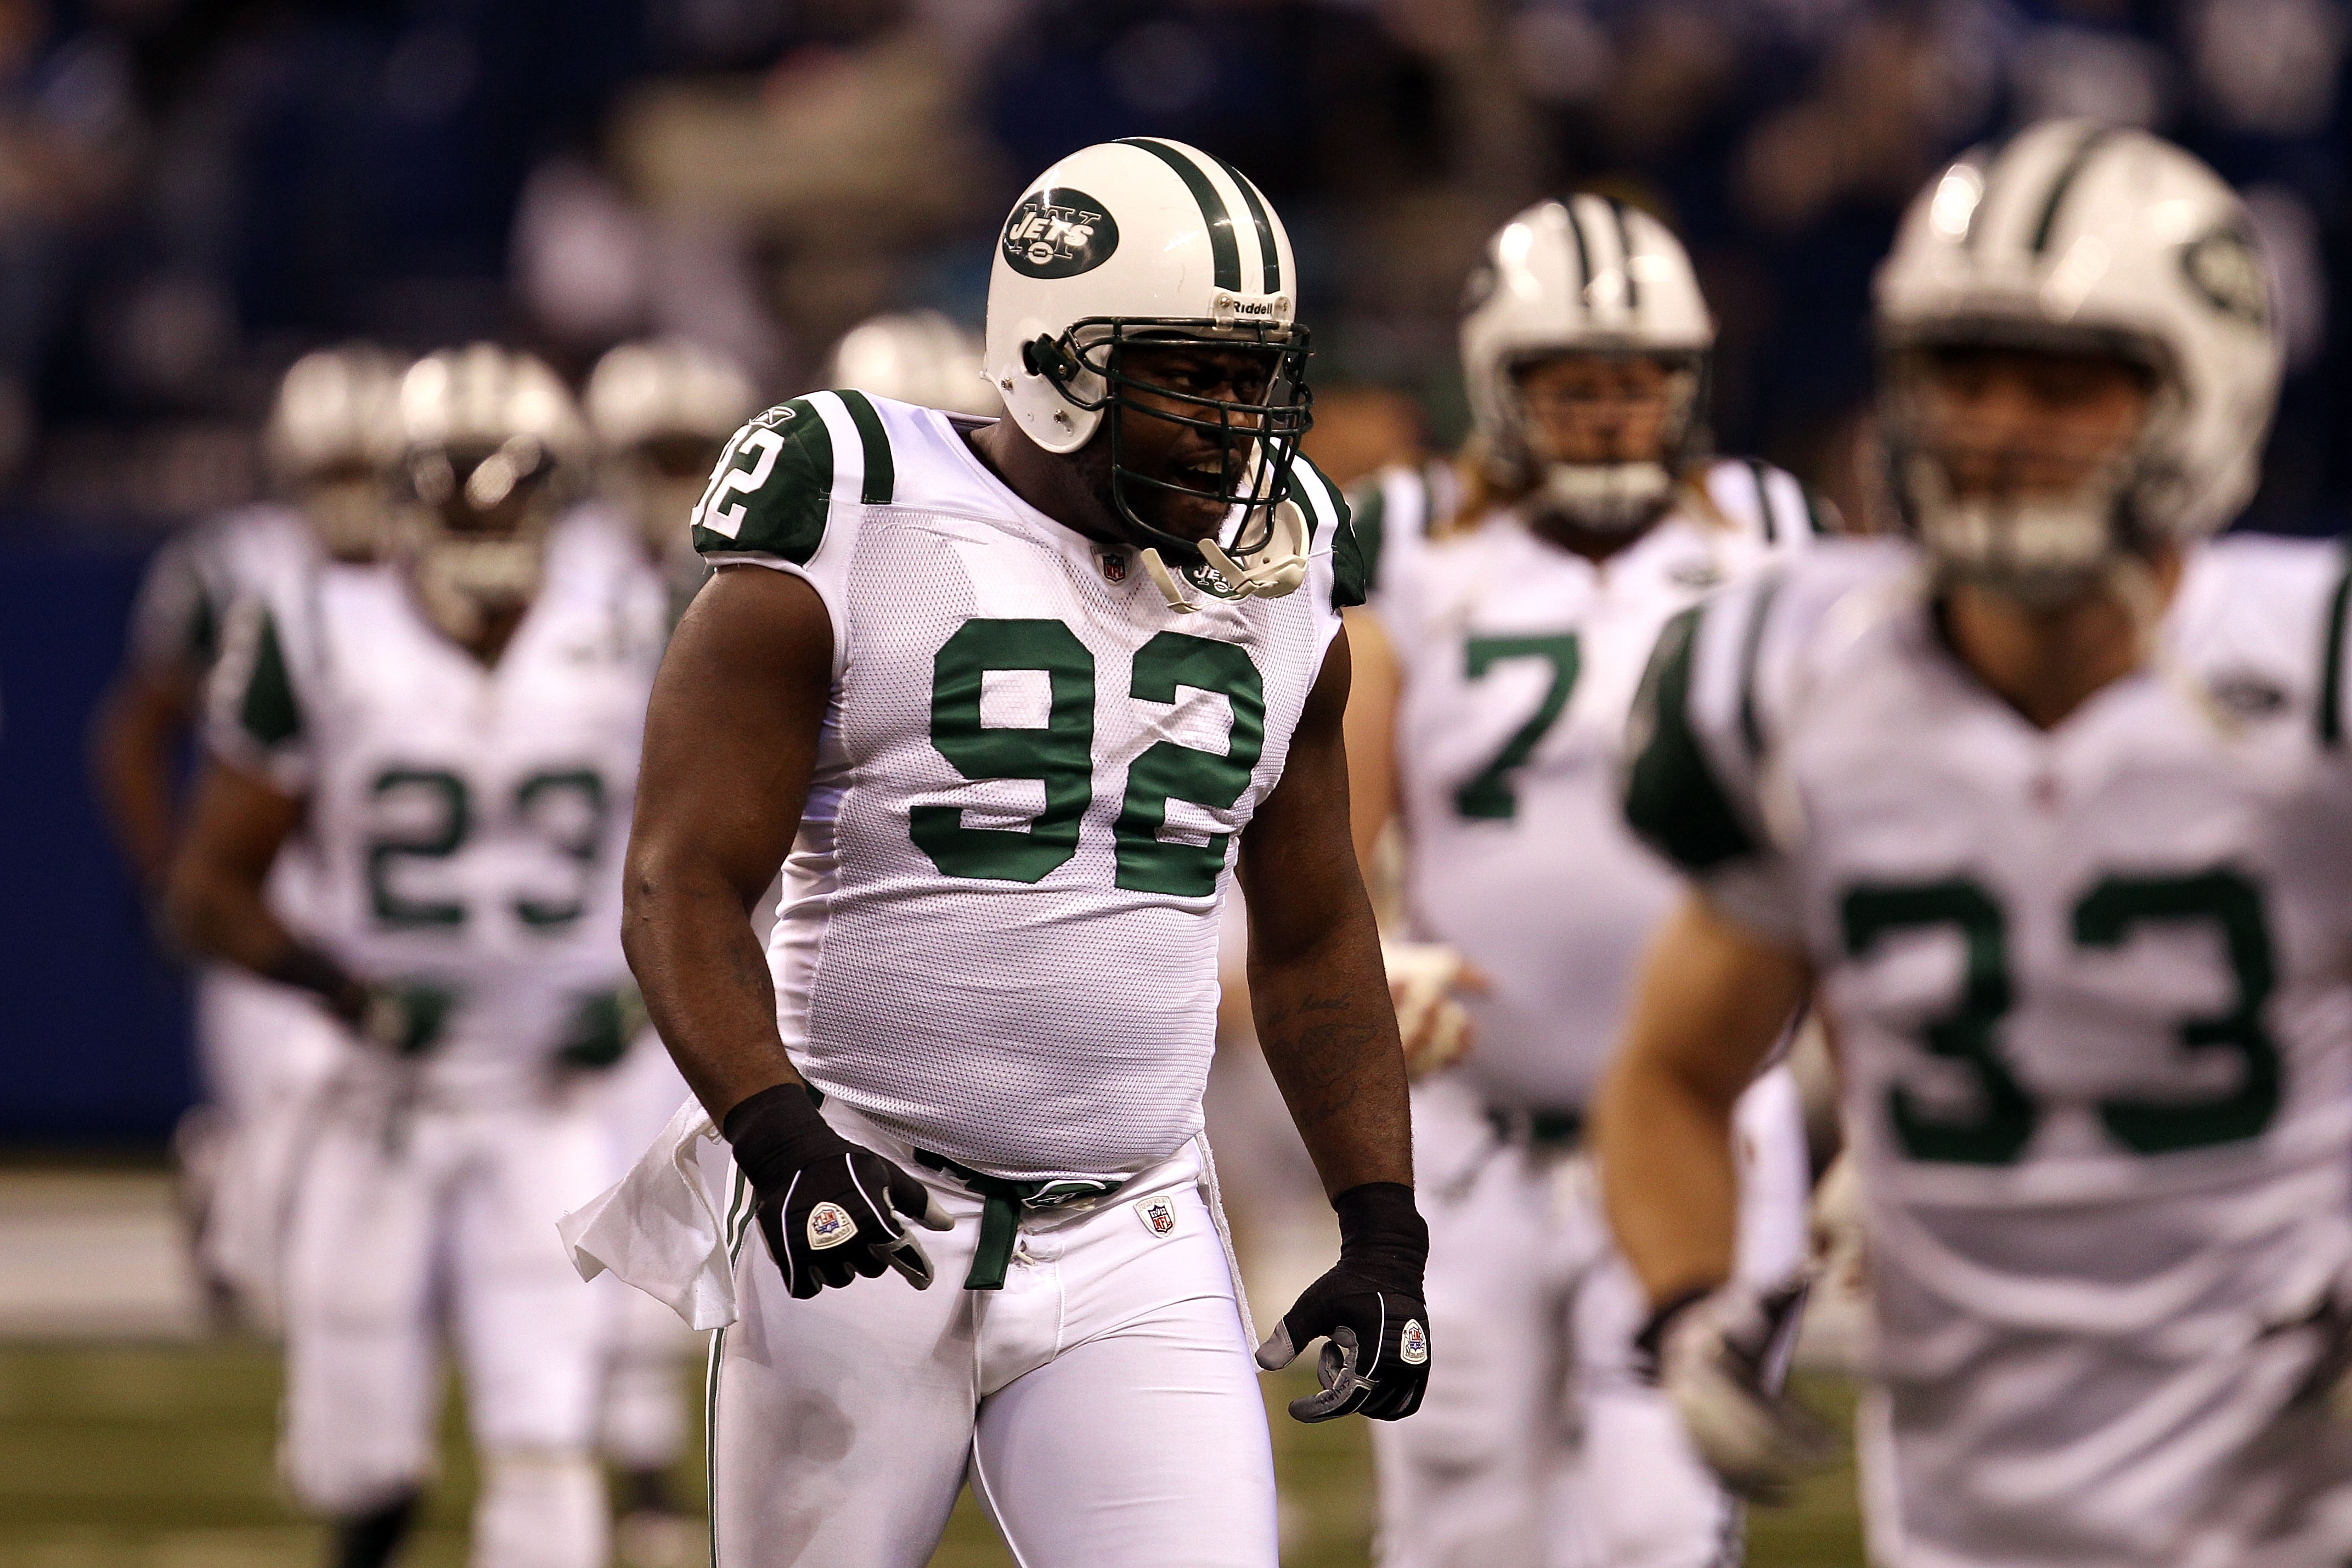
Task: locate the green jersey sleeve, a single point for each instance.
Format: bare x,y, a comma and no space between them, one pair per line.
1694,755
775,491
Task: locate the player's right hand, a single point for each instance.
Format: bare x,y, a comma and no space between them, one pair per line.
1425,979
1722,1359
1368,1311
830,1210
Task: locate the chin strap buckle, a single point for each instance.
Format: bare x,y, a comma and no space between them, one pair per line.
1270,571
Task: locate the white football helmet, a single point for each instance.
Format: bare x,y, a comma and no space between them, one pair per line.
332,439
1148,240
492,449
915,356
2076,236
661,410
1587,276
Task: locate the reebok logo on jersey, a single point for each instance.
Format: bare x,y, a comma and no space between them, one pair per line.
1058,234
1159,1216
829,1224
1412,1346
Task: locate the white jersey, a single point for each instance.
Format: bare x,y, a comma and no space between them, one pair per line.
1519,661
196,578
998,933
466,821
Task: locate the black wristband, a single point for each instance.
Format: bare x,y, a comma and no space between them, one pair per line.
1379,1218
1652,1340
775,1131
308,969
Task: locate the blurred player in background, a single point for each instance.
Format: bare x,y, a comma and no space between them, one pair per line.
661,411
915,356
2050,806
455,734
329,445
1495,665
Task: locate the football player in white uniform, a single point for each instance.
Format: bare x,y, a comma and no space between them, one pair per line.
1015,696
1494,692
455,732
915,356
2048,804
258,1050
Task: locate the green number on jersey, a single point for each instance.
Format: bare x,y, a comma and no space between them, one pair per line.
453,824
453,804
1997,1133
2105,918
1487,795
1060,755
1167,771
584,843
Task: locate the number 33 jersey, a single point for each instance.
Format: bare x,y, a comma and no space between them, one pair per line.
2089,985
466,821
998,934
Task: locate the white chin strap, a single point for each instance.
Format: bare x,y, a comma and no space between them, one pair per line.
2043,549
1608,498
461,581
1274,568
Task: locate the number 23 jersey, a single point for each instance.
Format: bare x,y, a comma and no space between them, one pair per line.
998,933
466,821
2089,985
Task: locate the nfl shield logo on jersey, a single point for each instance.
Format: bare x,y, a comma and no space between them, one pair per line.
829,1224
1159,1216
1113,564
1412,1349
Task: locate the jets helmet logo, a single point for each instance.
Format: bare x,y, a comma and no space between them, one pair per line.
1159,1216
1058,234
2225,269
829,1224
1413,1348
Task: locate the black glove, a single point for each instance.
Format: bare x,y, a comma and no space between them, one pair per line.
829,1209
1376,1359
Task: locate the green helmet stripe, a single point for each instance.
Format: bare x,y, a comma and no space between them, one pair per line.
1584,256
1223,251
2076,164
1626,255
2331,666
1267,255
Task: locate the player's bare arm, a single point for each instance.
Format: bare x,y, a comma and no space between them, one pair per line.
1329,1034
1712,998
730,744
1373,689
1316,982
239,823
138,727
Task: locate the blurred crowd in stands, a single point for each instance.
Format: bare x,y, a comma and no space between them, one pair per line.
193,191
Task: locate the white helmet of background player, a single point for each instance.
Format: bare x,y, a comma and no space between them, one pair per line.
661,411
493,448
1586,275
1149,240
2078,237
915,356
332,437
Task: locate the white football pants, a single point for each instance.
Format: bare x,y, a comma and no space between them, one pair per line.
266,1053
1104,1402
430,1222
1537,1446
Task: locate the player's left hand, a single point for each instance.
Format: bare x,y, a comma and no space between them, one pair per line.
1722,1359
1367,1309
601,1028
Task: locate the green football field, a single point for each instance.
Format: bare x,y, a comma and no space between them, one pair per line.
160,1456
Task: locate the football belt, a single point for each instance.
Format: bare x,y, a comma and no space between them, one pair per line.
1000,1213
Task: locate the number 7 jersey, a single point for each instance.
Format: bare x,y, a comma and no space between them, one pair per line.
998,933
2092,986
